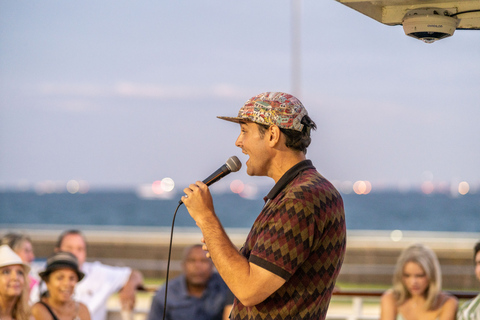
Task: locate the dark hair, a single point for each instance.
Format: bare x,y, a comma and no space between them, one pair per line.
61,260
69,232
476,249
295,140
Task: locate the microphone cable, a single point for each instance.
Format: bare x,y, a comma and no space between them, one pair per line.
232,165
168,260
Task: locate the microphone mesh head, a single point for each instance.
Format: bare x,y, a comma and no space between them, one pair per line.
233,164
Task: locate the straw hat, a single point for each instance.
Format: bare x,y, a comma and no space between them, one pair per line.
10,258
61,260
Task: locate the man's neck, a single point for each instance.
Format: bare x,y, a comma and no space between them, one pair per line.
284,162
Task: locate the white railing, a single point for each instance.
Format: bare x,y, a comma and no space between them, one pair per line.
351,301
356,311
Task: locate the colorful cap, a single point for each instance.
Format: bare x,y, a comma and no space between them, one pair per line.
62,260
272,108
9,258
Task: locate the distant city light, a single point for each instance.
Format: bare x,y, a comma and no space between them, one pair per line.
463,188
427,187
362,187
73,186
157,187
250,191
84,187
168,184
244,190
237,186
396,235
49,186
165,185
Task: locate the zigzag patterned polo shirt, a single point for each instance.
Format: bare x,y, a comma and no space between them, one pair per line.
300,235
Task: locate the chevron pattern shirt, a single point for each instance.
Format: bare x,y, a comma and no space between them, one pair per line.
300,235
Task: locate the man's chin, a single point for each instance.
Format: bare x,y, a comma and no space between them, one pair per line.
199,283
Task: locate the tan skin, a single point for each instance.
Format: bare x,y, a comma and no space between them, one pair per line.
75,244
198,269
25,252
61,284
12,281
417,282
477,265
270,157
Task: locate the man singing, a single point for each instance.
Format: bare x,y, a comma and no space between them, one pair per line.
291,258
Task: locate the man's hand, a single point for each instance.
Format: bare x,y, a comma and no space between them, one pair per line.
198,201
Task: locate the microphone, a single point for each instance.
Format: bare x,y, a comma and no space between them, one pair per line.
232,165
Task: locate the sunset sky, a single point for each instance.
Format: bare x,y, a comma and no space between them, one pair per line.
123,93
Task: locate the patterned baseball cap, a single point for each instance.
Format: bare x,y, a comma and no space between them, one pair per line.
272,108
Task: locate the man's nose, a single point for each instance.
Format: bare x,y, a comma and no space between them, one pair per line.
238,142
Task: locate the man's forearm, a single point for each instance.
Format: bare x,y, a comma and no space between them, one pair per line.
249,283
230,264
127,293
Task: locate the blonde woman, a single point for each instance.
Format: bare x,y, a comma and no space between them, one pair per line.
22,245
417,289
13,286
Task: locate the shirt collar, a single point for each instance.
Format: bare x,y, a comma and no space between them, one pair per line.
287,177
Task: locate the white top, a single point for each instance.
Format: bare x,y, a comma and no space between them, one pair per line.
99,283
470,310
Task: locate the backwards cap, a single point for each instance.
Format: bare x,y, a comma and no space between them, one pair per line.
272,108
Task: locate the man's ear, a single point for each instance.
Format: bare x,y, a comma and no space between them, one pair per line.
275,134
56,250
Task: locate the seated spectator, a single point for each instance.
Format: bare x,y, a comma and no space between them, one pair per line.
60,276
199,293
13,286
417,289
22,245
470,310
100,281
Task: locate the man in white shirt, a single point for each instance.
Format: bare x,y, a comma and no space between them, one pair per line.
100,281
470,310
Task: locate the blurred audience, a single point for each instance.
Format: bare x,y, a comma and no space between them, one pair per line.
22,245
100,281
417,289
199,293
470,310
61,275
13,286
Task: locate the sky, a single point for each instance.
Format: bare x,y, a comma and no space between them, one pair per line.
124,93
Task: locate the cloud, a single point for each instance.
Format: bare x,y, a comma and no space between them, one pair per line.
143,91
85,90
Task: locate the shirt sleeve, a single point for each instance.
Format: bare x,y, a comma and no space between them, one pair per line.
156,309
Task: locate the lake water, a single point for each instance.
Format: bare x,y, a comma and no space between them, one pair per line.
375,211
